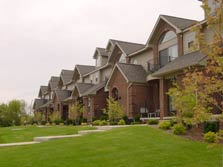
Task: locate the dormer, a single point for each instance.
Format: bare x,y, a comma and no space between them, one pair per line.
43,92
80,71
100,56
65,78
122,50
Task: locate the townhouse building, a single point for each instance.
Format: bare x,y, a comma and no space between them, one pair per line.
138,76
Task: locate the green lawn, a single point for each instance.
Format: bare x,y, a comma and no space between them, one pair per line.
124,147
26,133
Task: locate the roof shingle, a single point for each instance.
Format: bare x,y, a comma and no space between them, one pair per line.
83,87
66,76
133,73
180,63
53,83
93,90
62,94
84,69
181,23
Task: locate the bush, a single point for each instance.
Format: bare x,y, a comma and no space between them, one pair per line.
53,124
70,122
103,123
58,121
173,121
84,124
47,124
135,123
113,123
165,125
211,126
43,122
96,122
61,124
121,122
153,121
210,137
179,129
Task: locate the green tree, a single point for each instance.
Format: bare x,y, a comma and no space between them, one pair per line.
201,89
75,112
114,110
11,113
55,117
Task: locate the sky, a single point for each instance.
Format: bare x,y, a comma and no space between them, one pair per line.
38,38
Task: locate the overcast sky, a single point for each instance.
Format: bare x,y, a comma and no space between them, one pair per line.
38,38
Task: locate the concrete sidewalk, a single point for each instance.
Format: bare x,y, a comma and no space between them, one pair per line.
19,144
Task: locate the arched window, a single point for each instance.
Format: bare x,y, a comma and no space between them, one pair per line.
115,95
168,48
167,37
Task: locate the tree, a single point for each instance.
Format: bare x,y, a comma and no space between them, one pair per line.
201,90
11,113
55,117
114,110
75,112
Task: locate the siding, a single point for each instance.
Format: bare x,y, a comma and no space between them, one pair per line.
188,37
142,58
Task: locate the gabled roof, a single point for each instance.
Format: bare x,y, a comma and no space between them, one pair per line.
191,59
129,47
101,51
94,89
38,103
126,48
179,24
62,94
43,90
131,72
47,104
66,76
98,69
53,83
84,69
82,87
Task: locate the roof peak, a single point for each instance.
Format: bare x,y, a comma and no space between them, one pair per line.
164,15
126,42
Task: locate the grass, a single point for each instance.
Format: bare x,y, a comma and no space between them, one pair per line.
124,147
26,133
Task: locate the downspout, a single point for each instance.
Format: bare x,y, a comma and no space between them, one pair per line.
128,97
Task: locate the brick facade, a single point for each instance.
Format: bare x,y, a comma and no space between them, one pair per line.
131,96
97,104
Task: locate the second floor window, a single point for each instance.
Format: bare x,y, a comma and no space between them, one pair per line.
167,55
168,48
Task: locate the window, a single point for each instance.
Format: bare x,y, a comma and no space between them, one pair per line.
168,48
167,37
96,79
98,61
135,62
190,44
115,95
122,59
89,102
167,55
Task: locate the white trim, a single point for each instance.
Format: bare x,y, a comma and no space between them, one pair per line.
116,66
155,27
139,51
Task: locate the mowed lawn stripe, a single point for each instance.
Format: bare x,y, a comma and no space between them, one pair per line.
27,133
124,147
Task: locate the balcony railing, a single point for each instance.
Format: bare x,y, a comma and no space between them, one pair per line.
152,66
